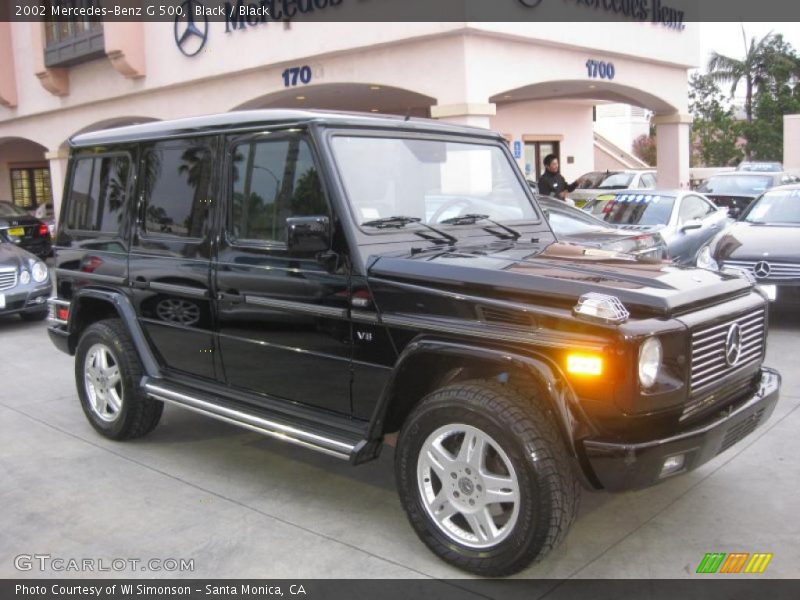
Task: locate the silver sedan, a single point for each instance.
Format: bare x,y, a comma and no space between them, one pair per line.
685,219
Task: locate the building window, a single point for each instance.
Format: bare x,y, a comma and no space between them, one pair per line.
30,188
71,40
534,156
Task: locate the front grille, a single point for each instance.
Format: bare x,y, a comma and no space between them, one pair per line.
741,430
767,270
8,279
709,361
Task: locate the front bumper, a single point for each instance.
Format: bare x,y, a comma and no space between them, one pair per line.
28,300
619,466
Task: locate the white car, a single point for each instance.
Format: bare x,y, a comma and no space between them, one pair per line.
591,185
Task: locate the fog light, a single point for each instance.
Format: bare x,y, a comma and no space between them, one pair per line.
672,465
584,364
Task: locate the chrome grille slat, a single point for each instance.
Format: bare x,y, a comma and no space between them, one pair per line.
8,279
778,270
708,362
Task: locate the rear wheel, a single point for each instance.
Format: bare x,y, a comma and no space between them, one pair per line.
107,374
485,478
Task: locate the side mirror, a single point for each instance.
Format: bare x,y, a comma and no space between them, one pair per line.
691,225
308,235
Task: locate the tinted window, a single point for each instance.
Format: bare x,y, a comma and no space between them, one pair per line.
98,194
693,207
177,181
615,181
273,180
639,209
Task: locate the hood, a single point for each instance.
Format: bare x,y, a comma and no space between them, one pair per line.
12,255
755,241
561,273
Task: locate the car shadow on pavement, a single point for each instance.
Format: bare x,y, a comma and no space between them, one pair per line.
12,323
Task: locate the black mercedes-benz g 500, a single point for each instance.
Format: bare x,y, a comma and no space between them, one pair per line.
340,280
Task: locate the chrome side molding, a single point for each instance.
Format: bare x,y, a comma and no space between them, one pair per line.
273,429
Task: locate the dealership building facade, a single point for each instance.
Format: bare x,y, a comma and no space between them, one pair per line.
537,85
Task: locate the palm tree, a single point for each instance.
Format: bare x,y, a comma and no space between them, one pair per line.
753,69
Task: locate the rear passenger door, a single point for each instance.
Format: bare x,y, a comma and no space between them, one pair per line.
284,328
170,258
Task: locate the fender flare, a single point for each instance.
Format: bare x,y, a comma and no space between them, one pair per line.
124,308
571,419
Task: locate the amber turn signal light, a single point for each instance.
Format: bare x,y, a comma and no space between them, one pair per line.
584,364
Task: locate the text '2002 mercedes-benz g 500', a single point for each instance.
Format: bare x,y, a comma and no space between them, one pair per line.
333,279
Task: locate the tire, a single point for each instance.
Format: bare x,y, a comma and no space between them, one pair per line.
541,493
35,316
112,400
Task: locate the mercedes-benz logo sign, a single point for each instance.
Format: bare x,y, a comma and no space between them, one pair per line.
190,37
530,3
762,269
733,344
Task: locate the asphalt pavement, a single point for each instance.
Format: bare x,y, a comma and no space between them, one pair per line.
241,505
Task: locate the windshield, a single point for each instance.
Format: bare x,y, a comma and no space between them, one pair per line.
749,185
9,210
615,181
429,180
639,209
777,207
590,181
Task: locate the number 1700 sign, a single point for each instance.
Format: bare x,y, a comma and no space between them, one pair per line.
600,69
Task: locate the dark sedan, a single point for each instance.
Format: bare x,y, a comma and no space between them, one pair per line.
578,227
24,282
765,243
735,191
22,229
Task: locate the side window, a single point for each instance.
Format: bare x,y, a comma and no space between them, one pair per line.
693,207
98,193
177,182
273,180
648,181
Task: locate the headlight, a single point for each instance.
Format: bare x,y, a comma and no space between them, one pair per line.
24,277
705,261
649,361
39,271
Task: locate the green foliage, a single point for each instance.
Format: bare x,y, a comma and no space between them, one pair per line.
715,131
771,73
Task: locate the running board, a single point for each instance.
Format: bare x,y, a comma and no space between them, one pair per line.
253,422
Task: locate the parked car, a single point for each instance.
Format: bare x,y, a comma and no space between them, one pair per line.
760,166
24,282
686,220
431,305
735,191
26,231
595,183
575,226
765,243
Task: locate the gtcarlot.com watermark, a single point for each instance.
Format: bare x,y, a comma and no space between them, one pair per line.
59,564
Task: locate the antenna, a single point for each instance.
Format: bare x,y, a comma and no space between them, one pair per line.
408,114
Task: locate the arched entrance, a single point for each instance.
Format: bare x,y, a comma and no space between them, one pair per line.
358,97
558,117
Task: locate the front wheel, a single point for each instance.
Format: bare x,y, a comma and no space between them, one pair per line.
485,478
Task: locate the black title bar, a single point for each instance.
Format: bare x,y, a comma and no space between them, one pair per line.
673,12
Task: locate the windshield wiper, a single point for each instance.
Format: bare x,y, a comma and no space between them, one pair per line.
471,219
399,222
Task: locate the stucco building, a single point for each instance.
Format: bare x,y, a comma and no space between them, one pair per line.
537,85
